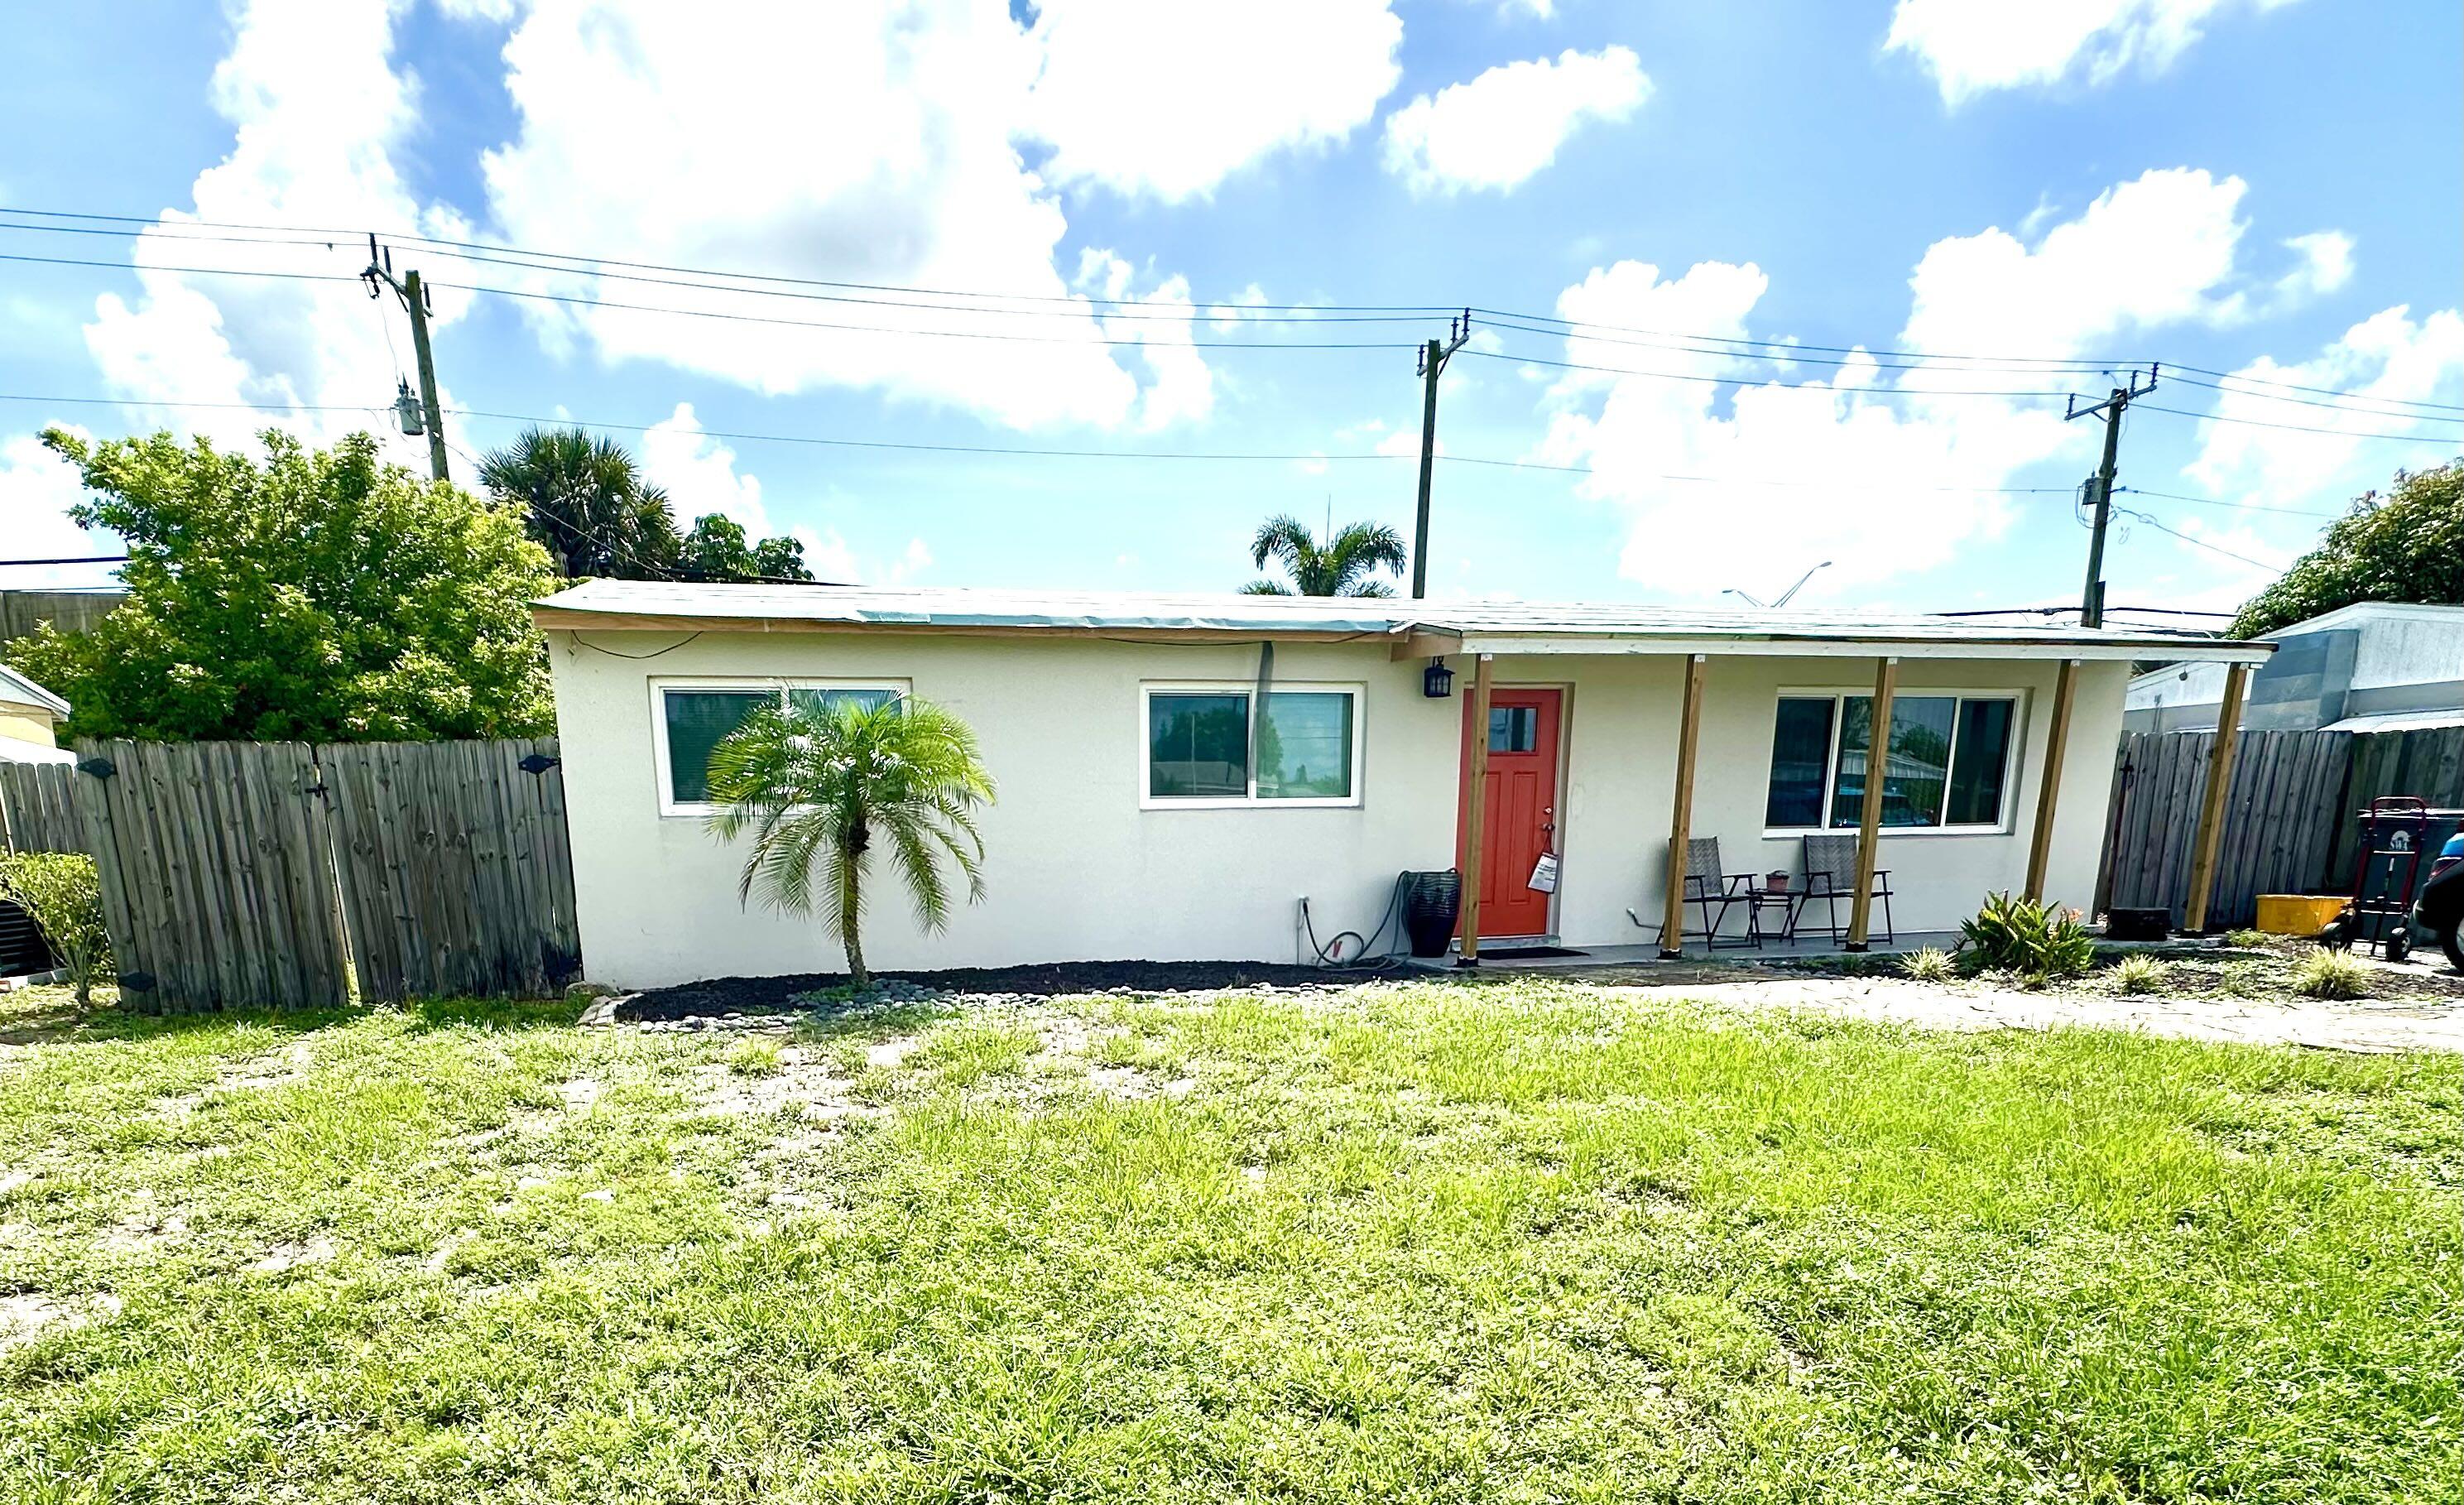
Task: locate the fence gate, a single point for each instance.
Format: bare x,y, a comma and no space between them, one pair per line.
217,874
2283,816
274,874
456,872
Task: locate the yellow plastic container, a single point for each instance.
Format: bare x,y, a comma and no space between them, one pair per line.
2297,914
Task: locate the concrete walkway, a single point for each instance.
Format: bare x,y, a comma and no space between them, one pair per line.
2413,1025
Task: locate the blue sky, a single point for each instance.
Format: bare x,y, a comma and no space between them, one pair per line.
2269,190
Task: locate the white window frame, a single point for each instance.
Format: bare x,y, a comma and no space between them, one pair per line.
669,805
1841,695
1149,800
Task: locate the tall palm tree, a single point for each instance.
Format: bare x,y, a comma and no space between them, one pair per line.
821,790
585,502
1337,568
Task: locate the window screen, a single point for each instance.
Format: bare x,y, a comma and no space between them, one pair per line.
1800,752
1305,746
1198,744
697,721
1978,763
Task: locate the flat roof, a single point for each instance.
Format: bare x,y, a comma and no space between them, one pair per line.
1413,627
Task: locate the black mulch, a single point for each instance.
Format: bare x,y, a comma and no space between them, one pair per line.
749,995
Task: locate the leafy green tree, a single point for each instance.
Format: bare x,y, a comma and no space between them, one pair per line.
821,790
62,895
716,549
584,501
2407,546
320,595
1340,566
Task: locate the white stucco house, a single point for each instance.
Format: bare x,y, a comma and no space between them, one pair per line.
1177,771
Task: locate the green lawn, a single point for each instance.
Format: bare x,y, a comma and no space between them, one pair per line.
1521,1242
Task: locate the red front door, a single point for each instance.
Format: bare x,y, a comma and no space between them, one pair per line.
1520,819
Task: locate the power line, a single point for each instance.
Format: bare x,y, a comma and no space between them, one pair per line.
77,559
2357,398
2323,392
2236,506
1726,381
2198,542
1807,355
427,241
2303,428
1785,346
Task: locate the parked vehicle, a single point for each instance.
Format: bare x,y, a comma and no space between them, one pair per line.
2440,907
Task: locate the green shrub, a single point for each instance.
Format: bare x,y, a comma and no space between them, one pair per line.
2139,974
2246,940
755,1056
60,893
1929,964
2039,942
2331,974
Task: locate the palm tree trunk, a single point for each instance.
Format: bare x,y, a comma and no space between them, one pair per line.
854,944
858,837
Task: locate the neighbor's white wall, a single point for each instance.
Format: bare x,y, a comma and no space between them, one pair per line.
1075,870
1622,715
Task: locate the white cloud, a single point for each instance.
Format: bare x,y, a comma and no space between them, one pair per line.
2325,266
699,474
316,109
2157,250
1507,123
1180,387
37,488
2388,363
1857,465
1971,48
1169,97
898,131
829,558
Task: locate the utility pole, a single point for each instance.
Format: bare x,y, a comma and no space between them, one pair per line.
414,297
1433,359
2100,486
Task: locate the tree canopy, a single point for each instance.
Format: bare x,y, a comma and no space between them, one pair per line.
586,501
1338,567
316,595
2407,546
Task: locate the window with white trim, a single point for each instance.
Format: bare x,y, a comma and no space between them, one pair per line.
1948,766
1213,745
692,718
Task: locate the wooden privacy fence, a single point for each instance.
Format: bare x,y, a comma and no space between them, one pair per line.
38,810
2289,825
275,874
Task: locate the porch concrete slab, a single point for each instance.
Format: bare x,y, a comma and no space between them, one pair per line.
1696,954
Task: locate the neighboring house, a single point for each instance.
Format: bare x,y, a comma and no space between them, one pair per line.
1148,810
2375,666
71,611
30,719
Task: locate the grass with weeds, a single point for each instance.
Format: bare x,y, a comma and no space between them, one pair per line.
1930,964
2139,974
2325,973
1522,1242
2248,940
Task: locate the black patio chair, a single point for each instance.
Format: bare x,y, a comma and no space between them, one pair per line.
1831,876
1713,892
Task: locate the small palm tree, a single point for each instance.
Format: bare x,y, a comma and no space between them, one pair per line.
1337,567
820,790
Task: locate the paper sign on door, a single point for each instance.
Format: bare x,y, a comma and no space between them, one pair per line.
1544,873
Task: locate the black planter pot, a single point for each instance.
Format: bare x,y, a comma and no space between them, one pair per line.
1430,907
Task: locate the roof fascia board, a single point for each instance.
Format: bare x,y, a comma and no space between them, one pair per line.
552,619
1868,648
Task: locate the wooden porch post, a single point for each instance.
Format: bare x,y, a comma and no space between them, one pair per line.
1869,831
1475,807
1680,820
2056,742
2212,809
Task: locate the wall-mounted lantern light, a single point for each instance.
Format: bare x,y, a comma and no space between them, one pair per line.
1436,681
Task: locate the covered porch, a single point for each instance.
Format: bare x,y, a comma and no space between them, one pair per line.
1631,790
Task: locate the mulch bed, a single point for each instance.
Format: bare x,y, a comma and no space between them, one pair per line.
748,995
